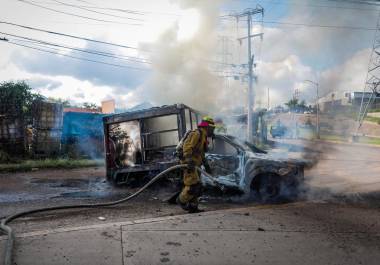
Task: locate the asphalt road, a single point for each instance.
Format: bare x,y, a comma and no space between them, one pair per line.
297,233
45,188
344,174
351,171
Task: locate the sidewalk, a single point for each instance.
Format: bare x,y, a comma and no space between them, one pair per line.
256,235
324,141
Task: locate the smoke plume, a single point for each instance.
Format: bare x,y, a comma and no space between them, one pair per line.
180,69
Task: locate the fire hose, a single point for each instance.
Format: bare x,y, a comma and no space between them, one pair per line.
11,237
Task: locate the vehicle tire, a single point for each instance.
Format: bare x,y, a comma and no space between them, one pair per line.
269,188
115,180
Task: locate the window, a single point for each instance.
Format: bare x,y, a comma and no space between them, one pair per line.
125,143
194,119
160,137
188,120
160,131
160,123
221,147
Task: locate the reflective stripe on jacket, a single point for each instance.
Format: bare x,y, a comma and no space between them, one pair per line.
195,146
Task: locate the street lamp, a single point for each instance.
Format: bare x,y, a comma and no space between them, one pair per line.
317,118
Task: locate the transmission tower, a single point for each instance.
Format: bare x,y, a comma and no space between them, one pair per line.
296,94
372,80
225,57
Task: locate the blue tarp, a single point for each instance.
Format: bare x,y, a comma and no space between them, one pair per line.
78,124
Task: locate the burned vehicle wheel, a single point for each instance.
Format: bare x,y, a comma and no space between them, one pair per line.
267,187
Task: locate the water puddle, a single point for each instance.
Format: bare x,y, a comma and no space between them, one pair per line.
47,188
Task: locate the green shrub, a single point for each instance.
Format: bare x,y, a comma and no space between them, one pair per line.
4,157
28,165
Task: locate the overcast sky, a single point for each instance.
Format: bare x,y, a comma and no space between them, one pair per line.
186,50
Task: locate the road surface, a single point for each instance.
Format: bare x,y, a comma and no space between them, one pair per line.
344,174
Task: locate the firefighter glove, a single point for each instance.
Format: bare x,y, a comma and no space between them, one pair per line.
190,165
207,168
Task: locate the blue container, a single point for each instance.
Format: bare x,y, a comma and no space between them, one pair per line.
82,134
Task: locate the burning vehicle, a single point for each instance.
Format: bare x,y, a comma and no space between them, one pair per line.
142,143
243,167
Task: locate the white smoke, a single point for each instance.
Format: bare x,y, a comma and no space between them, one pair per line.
181,72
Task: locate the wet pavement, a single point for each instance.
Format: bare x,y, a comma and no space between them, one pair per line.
299,233
48,184
340,169
337,178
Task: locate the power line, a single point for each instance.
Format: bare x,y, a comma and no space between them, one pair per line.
317,25
90,40
128,11
136,12
97,12
316,6
371,3
230,17
71,36
281,23
78,58
56,51
76,15
95,52
82,1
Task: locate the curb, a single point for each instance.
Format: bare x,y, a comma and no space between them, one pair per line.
143,221
347,143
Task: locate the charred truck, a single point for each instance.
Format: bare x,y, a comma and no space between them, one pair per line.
142,143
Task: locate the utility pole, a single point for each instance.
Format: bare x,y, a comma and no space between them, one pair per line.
318,126
268,101
317,105
296,93
249,13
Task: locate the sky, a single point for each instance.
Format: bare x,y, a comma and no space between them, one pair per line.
186,51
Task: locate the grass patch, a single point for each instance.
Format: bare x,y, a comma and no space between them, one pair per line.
361,139
334,138
369,140
29,165
373,119
306,133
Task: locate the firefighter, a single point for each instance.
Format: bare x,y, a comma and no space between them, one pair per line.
194,149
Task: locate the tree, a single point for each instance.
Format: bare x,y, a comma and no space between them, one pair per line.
16,100
295,106
302,106
65,103
292,104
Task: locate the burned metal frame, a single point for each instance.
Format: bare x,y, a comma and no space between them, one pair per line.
142,115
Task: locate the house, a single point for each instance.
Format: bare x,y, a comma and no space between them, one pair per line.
340,100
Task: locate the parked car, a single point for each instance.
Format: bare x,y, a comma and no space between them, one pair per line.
278,130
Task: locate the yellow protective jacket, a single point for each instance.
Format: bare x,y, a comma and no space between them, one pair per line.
195,145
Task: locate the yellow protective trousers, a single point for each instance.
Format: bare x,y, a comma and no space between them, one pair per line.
192,188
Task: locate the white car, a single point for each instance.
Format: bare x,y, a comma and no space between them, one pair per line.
243,167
